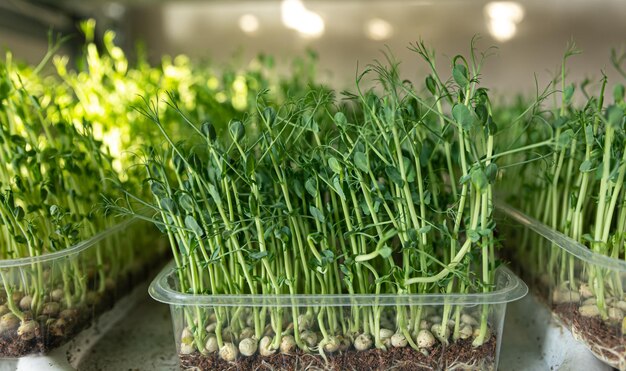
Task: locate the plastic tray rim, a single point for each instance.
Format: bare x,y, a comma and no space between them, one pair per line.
564,242
77,248
161,291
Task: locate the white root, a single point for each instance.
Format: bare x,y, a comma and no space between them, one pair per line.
442,336
26,302
398,341
425,339
385,336
467,319
211,344
585,291
344,343
620,305
58,327
304,322
228,352
57,294
247,332
589,311
287,344
51,308
8,322
590,301
476,334
363,342
331,345
309,337
248,346
616,314
27,330
187,348
466,332
211,327
562,296
265,347
17,296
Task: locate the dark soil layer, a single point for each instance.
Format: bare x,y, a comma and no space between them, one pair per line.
48,337
602,338
402,359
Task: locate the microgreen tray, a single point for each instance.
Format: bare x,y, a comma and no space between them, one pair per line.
232,316
45,300
584,289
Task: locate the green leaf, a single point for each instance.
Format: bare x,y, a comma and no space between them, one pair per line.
589,135
385,252
615,116
479,178
253,203
317,214
560,122
334,165
311,186
158,190
568,93
486,232
482,113
473,235
209,131
250,165
565,138
586,166
192,224
258,255
214,194
618,93
186,202
283,234
168,205
340,119
337,187
463,116
425,229
492,127
269,115
54,211
394,175
460,75
361,161
236,130
18,213
431,85
491,171
464,179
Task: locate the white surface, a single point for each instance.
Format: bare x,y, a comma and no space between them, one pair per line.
534,341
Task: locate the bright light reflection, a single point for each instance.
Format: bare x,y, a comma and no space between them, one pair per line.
503,17
297,17
249,23
378,29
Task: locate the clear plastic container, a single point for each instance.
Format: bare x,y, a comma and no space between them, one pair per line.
46,300
584,289
344,319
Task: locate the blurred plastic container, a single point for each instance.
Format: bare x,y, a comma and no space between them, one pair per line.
46,300
234,317
584,289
